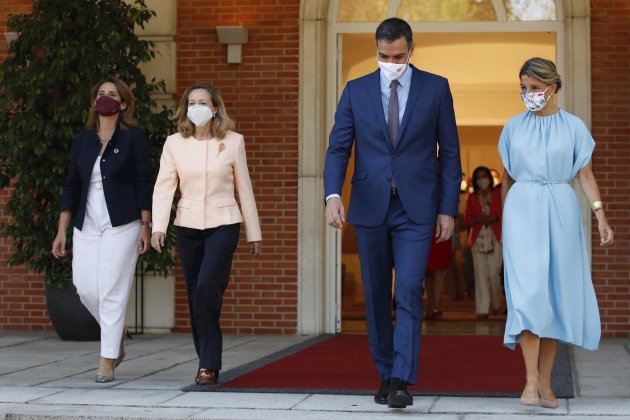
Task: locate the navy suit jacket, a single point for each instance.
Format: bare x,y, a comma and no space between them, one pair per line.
421,174
125,170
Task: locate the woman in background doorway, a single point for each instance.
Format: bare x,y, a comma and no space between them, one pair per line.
483,215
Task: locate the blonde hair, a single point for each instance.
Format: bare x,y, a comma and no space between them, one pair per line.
125,116
219,125
543,70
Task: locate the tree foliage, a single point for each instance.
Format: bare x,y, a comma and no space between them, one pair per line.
63,48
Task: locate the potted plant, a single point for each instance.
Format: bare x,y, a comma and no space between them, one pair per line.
63,48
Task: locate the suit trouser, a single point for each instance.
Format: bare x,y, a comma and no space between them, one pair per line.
403,245
206,257
488,278
103,264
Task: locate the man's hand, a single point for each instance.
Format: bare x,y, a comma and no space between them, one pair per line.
444,228
335,213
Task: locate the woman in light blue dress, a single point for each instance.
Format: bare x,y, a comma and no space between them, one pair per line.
548,286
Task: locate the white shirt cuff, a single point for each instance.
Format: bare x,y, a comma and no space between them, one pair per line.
332,196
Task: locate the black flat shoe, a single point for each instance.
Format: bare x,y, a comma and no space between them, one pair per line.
398,396
381,395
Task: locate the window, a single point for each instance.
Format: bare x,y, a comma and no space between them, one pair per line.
446,10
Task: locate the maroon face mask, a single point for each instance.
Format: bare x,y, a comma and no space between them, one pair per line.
107,106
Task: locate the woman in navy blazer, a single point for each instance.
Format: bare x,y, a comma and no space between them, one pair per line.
108,193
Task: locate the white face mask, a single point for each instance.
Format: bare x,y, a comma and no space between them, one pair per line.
535,101
393,70
200,114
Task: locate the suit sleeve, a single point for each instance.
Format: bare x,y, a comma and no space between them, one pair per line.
339,145
449,159
72,187
243,185
144,179
164,189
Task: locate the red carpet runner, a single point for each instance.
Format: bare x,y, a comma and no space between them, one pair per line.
457,365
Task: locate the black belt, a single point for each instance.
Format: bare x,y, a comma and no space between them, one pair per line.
394,192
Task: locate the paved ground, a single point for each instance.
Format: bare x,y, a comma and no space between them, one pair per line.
44,377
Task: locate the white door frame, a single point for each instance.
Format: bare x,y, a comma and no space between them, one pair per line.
319,246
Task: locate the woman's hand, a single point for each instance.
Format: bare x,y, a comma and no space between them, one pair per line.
59,245
606,234
157,241
144,241
255,248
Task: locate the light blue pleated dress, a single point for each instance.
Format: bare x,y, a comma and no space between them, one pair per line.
548,283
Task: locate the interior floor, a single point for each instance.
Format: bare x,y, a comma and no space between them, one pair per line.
458,318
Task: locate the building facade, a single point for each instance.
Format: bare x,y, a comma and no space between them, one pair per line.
282,96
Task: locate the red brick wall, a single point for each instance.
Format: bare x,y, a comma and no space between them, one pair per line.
261,94
22,305
9,7
610,46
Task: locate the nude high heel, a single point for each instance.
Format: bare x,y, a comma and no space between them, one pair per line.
549,403
533,401
121,352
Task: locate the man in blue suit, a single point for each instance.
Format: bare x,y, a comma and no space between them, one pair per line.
405,188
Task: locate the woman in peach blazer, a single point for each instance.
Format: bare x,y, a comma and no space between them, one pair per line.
207,159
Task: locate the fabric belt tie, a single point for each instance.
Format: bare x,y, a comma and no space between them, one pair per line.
548,185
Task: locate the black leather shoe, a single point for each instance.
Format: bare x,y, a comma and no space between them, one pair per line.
398,396
383,392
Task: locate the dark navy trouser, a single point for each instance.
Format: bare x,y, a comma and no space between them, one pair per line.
404,246
206,257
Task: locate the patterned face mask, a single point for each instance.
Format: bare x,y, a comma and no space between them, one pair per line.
535,101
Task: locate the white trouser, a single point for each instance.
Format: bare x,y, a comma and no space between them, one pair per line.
488,278
103,265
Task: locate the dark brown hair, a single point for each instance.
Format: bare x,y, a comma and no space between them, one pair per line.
478,170
125,116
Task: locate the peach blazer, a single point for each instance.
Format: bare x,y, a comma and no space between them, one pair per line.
208,171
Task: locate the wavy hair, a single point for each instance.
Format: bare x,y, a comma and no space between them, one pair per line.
219,125
125,116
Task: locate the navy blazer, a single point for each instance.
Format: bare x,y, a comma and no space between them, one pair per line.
125,170
428,122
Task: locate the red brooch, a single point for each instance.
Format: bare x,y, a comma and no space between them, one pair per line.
221,147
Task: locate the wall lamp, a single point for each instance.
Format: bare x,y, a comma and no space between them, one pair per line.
10,37
234,37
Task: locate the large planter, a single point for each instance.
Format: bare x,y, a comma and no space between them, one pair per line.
71,320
